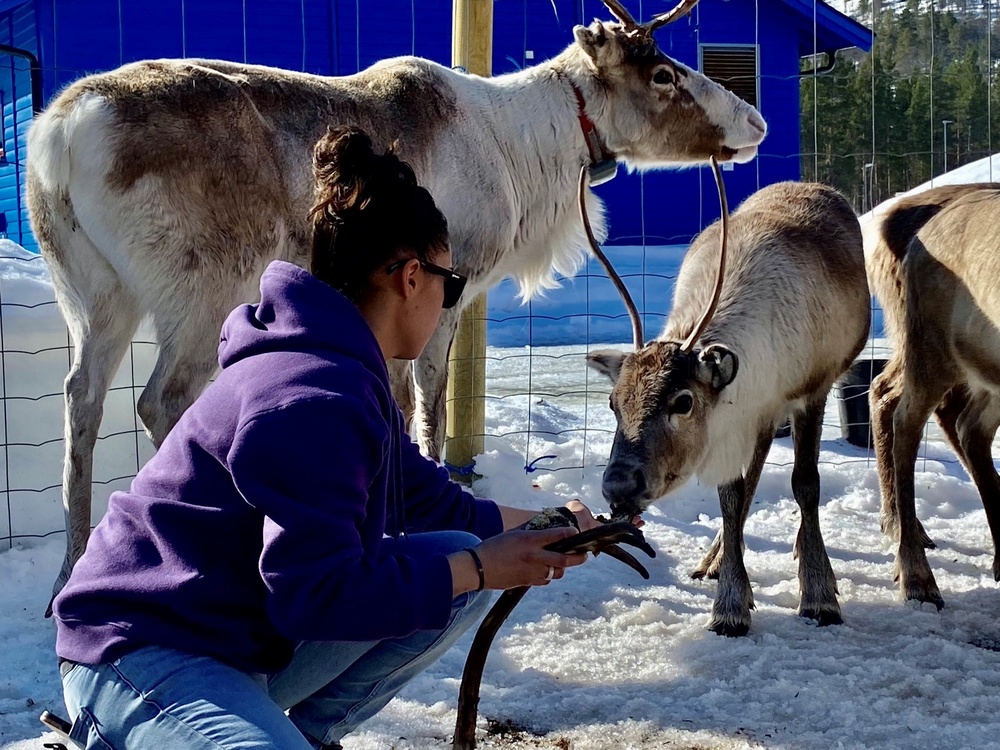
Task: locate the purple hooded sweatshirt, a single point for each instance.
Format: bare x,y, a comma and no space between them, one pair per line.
262,520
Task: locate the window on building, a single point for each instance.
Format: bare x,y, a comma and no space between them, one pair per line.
735,67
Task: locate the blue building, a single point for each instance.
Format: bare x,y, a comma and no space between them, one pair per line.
753,46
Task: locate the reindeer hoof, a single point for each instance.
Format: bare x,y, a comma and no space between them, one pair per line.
996,568
823,617
928,598
729,629
928,594
709,568
703,573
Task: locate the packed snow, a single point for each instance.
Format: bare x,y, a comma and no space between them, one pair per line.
601,658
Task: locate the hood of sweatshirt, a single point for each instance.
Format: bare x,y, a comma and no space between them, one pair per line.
298,312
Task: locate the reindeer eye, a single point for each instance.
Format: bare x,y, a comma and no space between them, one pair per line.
663,77
682,404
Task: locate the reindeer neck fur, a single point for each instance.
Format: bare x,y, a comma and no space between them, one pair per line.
543,149
774,317
746,403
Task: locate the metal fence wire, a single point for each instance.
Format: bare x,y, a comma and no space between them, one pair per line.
546,410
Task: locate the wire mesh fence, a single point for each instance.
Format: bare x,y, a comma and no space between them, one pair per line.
877,124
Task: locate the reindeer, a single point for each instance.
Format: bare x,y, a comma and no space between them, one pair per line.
784,315
164,188
933,262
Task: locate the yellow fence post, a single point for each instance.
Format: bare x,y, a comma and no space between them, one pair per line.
471,49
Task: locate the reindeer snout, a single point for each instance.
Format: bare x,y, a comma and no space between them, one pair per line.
623,488
757,122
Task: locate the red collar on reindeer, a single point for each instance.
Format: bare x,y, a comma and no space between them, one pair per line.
603,164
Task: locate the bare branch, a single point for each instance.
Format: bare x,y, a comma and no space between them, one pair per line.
682,9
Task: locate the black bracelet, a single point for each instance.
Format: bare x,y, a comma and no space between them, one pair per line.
479,568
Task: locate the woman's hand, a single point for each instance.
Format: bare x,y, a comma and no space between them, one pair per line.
584,518
512,559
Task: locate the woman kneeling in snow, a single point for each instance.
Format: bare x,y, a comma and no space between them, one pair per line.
288,560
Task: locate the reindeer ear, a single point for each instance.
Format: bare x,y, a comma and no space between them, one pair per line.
607,362
590,38
717,366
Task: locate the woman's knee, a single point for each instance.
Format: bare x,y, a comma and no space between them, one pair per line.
472,603
440,542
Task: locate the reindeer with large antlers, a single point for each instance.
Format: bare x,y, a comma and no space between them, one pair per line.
753,337
165,187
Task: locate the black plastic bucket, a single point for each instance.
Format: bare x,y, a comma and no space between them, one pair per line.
852,394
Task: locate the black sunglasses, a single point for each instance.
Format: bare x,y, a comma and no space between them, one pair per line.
454,283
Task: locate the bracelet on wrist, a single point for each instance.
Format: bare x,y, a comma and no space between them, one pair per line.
479,568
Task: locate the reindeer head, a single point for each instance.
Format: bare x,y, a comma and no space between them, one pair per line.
662,398
662,395
651,110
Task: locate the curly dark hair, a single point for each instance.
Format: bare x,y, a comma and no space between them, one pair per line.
369,211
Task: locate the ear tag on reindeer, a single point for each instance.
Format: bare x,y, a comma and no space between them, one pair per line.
603,171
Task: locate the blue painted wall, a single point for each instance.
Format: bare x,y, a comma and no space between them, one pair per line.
76,37
17,29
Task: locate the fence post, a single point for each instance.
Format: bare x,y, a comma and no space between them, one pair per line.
471,49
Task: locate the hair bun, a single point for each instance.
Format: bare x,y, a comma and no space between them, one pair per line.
343,162
349,174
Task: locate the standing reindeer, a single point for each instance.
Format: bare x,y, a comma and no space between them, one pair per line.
783,316
934,264
165,187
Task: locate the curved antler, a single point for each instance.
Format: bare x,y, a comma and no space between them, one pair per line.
699,329
633,312
682,9
618,11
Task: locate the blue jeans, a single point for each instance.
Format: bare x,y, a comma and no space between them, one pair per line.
157,697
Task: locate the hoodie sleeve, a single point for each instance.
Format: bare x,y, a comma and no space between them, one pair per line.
307,467
435,503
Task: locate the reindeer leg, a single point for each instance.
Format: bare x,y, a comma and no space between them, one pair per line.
709,567
976,428
918,401
188,352
884,396
101,321
817,583
734,598
431,373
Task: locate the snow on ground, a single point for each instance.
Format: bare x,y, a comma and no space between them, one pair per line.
600,659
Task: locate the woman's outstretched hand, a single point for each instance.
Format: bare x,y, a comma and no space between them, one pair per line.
586,520
512,559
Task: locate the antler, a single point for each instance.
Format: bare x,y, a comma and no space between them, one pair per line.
682,9
633,312
699,329
618,11
601,539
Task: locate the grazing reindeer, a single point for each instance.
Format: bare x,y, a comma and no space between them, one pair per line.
784,316
164,188
933,261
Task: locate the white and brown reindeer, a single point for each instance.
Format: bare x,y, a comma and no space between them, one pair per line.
755,336
163,188
934,264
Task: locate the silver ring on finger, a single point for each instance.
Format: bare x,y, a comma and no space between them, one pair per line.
552,572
